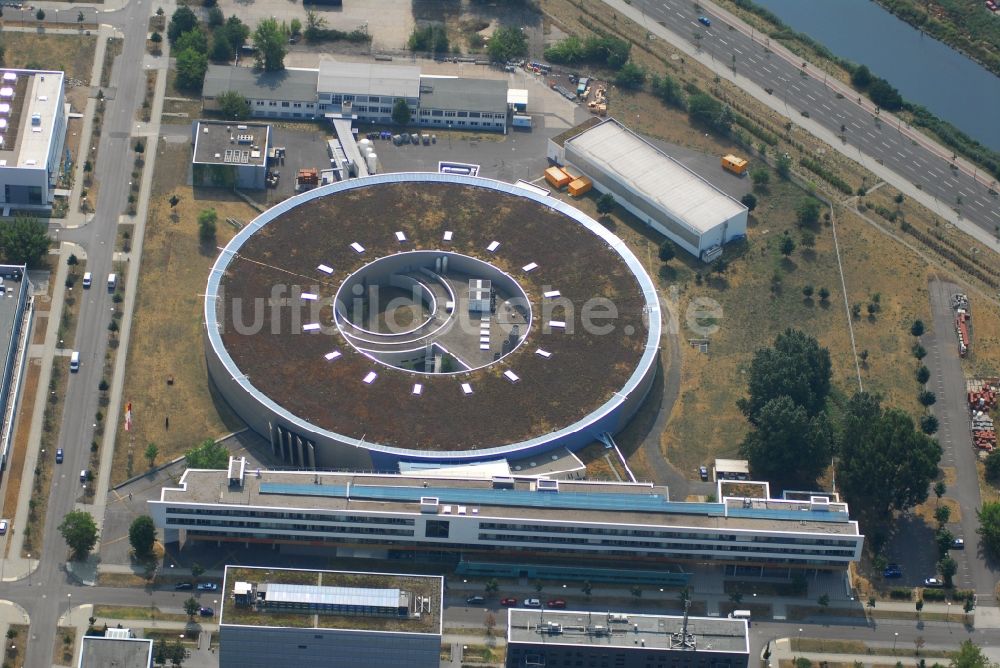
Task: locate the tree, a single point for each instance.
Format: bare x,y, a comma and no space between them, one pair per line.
796,366
969,655
824,294
667,251
206,225
923,374
80,17
927,398
807,211
917,328
919,351
636,591
492,587
270,41
222,50
736,597
431,38
507,43
605,204
191,68
401,114
824,601
207,455
192,39
237,32
929,425
667,89
883,445
142,536
181,21
943,538
861,76
749,200
191,606
787,246
947,567
942,514
989,527
784,166
40,14
919,605
807,291
760,177
177,653
885,96
630,76
788,448
24,241
156,38
80,533
993,466
103,386
587,588
295,27
939,489
708,112
215,17
197,570
151,452
162,654
233,105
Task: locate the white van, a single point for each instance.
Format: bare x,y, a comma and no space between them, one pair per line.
74,361
740,614
112,282
86,279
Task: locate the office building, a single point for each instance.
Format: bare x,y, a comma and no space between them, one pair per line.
230,154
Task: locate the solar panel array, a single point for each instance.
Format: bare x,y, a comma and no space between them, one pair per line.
330,596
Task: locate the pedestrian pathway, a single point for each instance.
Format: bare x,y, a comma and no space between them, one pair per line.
781,650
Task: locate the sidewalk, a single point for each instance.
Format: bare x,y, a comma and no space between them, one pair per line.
781,650
850,151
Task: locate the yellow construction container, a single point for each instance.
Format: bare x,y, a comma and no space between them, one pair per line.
557,177
580,186
734,164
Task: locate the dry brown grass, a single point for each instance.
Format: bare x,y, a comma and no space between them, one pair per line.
105,612
64,643
168,305
15,465
925,510
73,54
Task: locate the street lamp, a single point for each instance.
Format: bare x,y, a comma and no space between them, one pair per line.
69,607
29,569
894,639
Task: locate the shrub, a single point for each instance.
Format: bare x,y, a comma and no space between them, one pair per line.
901,593
934,594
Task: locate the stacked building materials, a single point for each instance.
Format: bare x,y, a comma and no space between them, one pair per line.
984,435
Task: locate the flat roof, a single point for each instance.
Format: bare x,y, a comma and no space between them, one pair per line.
119,652
221,143
465,94
641,504
568,627
655,175
368,79
289,84
425,595
32,106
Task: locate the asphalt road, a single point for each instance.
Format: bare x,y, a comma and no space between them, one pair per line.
804,89
948,383
81,402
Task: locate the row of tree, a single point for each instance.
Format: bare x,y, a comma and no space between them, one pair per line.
883,462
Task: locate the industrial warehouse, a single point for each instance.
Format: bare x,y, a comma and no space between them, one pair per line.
651,185
621,524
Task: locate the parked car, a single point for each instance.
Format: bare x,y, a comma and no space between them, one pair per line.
208,586
958,544
555,603
704,20
3,527
206,612
508,602
703,472
532,603
933,582
59,456
183,585
475,600
892,571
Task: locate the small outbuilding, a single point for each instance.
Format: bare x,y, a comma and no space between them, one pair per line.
230,155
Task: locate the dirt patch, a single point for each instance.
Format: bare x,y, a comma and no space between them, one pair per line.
73,54
64,644
926,510
15,643
175,267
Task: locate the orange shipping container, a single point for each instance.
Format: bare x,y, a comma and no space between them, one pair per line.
580,186
557,177
734,164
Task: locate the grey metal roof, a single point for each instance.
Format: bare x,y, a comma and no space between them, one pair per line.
463,94
368,79
293,85
318,595
656,176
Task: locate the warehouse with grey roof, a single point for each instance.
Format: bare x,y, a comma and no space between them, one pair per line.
654,187
473,104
